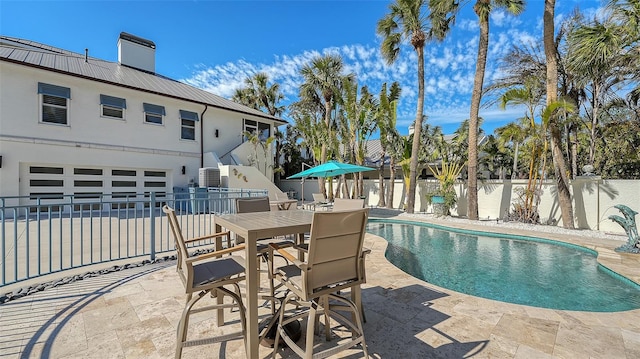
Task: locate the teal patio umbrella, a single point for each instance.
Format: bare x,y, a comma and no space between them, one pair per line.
331,169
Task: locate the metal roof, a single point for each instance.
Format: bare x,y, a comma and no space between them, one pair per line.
34,54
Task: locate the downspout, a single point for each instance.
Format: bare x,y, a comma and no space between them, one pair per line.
202,135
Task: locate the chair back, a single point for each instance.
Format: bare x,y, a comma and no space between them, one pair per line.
335,247
342,204
252,204
181,247
318,198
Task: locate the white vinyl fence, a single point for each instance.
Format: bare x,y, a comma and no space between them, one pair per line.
593,198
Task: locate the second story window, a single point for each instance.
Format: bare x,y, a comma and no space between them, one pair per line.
263,129
55,103
188,125
112,107
153,113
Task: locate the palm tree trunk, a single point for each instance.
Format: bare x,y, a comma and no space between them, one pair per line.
392,182
476,96
514,173
594,122
559,166
323,150
413,164
381,197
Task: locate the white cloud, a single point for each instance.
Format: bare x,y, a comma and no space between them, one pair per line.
449,72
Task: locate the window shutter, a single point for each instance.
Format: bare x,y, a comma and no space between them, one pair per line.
154,109
53,90
113,101
188,115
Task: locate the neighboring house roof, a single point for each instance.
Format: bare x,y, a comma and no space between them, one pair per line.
37,55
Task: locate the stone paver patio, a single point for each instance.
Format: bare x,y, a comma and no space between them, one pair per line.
134,313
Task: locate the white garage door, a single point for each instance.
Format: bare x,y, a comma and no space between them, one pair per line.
88,184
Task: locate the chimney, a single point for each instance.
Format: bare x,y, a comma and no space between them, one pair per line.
136,52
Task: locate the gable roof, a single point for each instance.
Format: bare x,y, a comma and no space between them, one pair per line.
37,55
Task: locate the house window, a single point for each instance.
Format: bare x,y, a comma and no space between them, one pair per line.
55,103
113,107
153,113
188,126
263,129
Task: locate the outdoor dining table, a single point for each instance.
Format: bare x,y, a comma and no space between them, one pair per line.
252,226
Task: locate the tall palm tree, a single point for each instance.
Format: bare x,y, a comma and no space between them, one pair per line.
257,93
322,82
515,134
406,19
386,123
356,117
443,13
560,168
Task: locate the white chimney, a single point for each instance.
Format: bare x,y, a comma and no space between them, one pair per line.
136,52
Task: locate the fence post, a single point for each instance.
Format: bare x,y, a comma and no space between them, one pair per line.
152,218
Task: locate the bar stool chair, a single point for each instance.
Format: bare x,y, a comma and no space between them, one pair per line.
206,274
333,263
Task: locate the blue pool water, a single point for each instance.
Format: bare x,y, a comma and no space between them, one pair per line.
511,269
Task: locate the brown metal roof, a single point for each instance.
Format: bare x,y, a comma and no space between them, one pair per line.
34,54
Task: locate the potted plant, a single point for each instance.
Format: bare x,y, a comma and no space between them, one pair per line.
444,197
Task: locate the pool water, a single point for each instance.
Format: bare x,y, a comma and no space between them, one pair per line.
511,269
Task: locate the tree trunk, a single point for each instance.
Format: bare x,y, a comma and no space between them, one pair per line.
392,182
417,127
323,150
476,97
381,196
514,174
595,103
559,166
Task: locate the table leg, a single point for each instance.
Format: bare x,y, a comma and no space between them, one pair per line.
253,279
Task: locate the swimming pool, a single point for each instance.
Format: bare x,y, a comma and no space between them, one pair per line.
507,268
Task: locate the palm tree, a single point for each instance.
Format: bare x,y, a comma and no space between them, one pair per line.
443,13
406,20
559,166
356,122
322,82
260,95
386,123
395,150
515,134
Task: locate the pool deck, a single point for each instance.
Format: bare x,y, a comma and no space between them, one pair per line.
133,314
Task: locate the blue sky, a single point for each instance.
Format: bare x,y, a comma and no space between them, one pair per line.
215,44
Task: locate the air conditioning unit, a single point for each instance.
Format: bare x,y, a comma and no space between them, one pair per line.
209,177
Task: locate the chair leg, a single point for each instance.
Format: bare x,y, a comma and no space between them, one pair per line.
327,318
356,297
279,326
184,322
311,318
237,297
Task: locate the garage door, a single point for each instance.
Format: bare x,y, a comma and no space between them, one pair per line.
52,183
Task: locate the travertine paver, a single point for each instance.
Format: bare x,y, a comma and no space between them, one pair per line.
134,313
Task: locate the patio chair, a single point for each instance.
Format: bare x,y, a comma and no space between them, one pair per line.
319,201
333,263
341,204
259,204
206,274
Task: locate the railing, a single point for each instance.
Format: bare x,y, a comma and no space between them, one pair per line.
47,234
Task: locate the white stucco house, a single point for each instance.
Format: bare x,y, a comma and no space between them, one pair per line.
74,124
